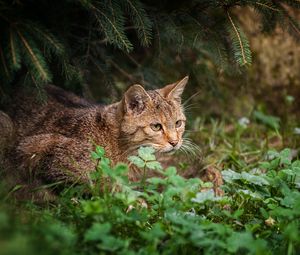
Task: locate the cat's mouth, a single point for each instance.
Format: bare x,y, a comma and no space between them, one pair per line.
164,149
169,149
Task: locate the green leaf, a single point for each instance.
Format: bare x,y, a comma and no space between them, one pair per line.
146,153
274,164
156,180
137,161
255,179
100,151
285,157
170,171
202,197
92,207
238,241
264,213
155,165
97,231
291,232
291,199
250,193
229,175
111,243
264,165
296,163
272,154
58,232
155,233
94,155
268,120
120,169
177,181
104,165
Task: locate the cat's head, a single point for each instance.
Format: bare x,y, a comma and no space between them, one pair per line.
153,118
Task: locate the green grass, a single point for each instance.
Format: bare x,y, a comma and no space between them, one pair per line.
258,214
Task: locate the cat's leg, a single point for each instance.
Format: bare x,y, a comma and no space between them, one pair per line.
56,158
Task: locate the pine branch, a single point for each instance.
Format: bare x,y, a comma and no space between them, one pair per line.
140,19
199,28
46,37
36,60
295,26
112,26
170,32
270,14
30,79
239,38
4,65
70,72
293,3
267,5
241,46
292,25
14,50
216,52
208,42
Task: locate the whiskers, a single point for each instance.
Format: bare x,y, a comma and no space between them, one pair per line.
190,149
187,107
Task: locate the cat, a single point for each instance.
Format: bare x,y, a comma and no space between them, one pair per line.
54,140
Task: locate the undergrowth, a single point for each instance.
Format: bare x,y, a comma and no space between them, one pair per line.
258,214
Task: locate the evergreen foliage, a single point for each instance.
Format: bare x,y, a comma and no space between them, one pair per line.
58,41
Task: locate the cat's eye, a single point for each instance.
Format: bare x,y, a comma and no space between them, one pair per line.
178,123
156,127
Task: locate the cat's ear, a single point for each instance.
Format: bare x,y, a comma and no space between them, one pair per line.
136,99
174,91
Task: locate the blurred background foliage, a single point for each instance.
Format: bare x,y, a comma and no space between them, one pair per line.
99,48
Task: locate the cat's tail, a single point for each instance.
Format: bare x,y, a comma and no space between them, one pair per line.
6,131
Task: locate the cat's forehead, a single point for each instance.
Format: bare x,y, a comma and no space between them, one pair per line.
166,109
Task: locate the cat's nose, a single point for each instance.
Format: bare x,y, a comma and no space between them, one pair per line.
173,143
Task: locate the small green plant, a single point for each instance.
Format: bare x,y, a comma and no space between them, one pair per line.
268,120
166,214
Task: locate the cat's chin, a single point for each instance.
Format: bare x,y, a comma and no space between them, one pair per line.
172,152
168,150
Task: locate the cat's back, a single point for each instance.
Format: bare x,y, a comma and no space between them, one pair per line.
59,112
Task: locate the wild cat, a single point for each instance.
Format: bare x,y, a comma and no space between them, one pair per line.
54,140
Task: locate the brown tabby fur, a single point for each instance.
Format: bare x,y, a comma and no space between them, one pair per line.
54,140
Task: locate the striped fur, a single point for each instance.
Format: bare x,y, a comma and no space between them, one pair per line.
54,139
